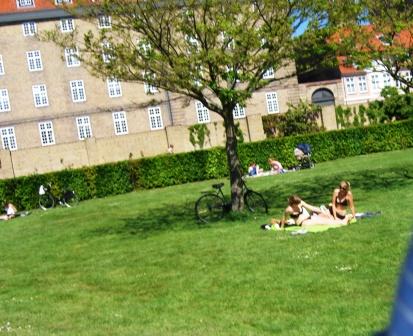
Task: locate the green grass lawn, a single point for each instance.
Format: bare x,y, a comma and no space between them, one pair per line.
139,264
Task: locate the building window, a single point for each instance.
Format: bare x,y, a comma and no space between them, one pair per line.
238,112
25,3
106,52
202,113
272,102
120,123
104,22
61,2
114,88
46,133
84,130
78,91
155,118
386,79
362,84
40,95
29,28
147,86
268,74
375,82
72,57
4,100
34,60
350,87
1,65
67,25
8,138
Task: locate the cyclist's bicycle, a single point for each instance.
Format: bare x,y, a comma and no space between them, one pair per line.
47,199
213,205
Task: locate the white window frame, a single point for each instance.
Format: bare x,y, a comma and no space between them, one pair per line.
120,123
272,102
4,101
61,2
269,73
77,89
71,56
238,112
114,88
1,65
40,95
34,60
8,138
155,118
29,28
84,127
25,3
104,22
67,25
46,133
387,79
362,81
105,56
375,81
202,113
147,87
350,85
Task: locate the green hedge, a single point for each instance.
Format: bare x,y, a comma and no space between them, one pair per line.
166,170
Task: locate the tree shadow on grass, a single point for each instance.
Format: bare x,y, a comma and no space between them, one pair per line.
181,216
318,191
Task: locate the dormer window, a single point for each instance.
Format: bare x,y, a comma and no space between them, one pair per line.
61,2
25,3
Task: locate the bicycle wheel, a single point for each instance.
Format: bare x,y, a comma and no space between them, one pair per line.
255,202
70,199
46,201
209,208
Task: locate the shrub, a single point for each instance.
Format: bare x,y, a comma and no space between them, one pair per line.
166,170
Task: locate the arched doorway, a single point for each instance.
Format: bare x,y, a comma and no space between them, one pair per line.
325,98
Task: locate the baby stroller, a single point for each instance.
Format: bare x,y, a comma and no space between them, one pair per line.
303,154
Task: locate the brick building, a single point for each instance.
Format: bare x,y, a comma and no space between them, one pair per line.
55,115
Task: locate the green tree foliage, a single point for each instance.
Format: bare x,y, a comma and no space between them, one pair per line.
393,106
386,43
214,51
198,135
299,119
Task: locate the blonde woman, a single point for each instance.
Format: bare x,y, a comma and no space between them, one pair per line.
341,200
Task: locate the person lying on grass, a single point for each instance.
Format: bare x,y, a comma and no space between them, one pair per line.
304,214
341,200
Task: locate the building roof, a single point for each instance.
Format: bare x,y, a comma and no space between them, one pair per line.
10,6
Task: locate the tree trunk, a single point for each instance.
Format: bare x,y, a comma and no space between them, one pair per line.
231,146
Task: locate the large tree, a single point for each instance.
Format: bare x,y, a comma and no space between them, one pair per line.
380,36
214,51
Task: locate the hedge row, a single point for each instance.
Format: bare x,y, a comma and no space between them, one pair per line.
166,170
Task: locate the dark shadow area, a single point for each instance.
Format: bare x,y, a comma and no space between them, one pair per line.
318,191
181,216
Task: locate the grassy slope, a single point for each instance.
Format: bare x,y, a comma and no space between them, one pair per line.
139,264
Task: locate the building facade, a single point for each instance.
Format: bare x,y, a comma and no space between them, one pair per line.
54,114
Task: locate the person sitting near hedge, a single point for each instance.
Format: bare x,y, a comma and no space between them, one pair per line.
11,211
276,166
254,169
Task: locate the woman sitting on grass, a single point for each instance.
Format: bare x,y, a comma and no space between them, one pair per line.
304,214
11,212
342,198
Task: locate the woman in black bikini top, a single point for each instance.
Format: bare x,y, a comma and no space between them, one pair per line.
342,198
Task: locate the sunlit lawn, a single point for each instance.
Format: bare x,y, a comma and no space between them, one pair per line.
139,264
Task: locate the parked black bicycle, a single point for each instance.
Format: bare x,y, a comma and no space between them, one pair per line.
47,199
212,206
